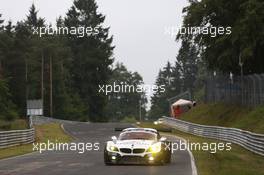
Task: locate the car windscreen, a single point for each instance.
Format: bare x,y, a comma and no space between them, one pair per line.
137,136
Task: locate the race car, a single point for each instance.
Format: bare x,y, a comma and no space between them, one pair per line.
138,146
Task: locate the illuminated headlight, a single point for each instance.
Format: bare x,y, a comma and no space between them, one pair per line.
151,158
112,148
155,148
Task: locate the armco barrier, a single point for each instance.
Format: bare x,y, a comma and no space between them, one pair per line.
16,137
19,137
250,141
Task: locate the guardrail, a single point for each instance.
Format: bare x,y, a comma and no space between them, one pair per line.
16,137
19,137
39,120
249,140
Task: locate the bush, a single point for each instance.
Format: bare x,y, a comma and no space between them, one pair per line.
7,108
11,115
13,125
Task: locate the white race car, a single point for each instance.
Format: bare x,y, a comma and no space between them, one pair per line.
137,146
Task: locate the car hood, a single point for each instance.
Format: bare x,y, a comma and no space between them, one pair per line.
134,143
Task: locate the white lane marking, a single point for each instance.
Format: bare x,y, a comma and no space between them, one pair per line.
71,135
193,165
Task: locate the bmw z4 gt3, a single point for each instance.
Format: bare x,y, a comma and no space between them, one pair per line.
137,146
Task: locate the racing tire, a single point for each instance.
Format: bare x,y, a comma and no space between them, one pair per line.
167,157
106,158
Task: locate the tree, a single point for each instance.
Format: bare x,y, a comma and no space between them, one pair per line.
223,51
22,56
1,23
32,19
125,104
67,103
187,61
92,56
73,67
176,85
7,108
18,47
1,30
159,100
175,79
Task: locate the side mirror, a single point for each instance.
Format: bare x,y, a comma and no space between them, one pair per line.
114,138
162,139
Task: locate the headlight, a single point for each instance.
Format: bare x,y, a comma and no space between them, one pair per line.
111,148
155,148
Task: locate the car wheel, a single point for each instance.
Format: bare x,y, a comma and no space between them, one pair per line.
168,157
167,152
106,158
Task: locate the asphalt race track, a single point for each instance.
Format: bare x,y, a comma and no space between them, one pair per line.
90,162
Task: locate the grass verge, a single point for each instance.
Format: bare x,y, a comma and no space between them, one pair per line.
45,132
238,161
251,119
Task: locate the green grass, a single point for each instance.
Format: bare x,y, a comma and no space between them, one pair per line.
129,120
227,115
52,132
238,161
13,125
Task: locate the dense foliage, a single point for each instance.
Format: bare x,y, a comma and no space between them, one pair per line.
72,67
177,78
126,104
221,53
201,53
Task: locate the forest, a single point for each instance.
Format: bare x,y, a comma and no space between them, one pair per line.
63,70
200,54
66,70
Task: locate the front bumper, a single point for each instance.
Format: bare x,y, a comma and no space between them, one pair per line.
144,158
